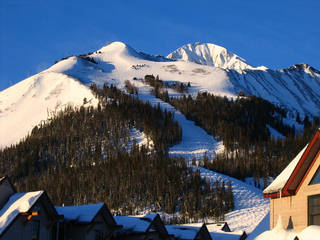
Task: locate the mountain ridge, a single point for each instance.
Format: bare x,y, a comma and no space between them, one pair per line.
209,54
295,88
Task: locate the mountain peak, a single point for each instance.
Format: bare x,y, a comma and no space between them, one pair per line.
124,50
303,66
118,48
209,54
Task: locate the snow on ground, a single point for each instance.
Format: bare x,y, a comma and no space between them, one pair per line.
250,206
262,227
140,138
249,202
261,184
195,141
279,233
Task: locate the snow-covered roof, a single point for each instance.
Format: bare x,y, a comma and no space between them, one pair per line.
220,235
309,233
135,223
283,177
17,203
212,227
80,213
189,231
183,232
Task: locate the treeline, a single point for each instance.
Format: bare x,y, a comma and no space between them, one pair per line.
243,126
263,160
159,85
239,122
82,155
159,125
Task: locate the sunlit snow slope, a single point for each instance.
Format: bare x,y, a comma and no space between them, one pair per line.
209,54
35,99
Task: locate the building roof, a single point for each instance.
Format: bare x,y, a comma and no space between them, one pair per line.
212,227
189,232
80,213
239,235
17,203
183,232
283,177
135,224
291,178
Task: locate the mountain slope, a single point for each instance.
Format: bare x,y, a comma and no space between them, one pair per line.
209,54
296,88
35,99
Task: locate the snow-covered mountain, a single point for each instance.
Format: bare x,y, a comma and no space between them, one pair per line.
295,88
209,54
217,71
36,99
206,66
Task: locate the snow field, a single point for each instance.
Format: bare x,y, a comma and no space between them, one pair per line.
26,104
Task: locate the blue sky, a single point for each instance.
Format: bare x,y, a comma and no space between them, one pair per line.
33,34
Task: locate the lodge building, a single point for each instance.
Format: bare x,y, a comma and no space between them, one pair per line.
295,193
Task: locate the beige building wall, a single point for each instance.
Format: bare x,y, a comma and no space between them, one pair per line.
296,206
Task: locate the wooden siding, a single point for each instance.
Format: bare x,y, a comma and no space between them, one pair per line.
295,206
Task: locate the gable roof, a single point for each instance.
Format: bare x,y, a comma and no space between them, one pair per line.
290,179
186,232
212,227
80,213
135,223
17,203
239,235
86,214
141,225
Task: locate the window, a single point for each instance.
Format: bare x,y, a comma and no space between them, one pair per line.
35,229
316,177
314,210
